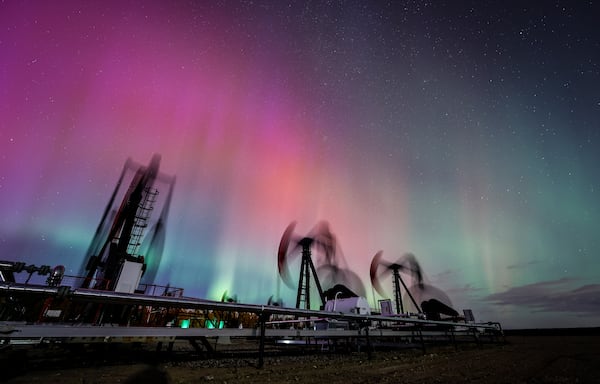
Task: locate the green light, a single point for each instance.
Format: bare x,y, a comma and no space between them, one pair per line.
185,323
211,324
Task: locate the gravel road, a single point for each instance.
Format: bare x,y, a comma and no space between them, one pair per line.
523,359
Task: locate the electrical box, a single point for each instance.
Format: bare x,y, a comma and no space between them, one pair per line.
129,277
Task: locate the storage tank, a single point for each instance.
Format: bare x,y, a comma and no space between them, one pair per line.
356,305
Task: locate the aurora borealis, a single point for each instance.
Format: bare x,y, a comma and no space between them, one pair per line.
463,132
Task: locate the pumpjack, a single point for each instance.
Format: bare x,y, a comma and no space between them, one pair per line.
113,262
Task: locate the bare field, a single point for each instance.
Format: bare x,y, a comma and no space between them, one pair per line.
523,359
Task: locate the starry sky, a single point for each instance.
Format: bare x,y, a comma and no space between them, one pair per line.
464,132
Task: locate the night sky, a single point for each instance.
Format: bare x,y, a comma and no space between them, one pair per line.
463,132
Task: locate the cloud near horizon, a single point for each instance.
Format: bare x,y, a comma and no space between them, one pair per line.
524,264
552,296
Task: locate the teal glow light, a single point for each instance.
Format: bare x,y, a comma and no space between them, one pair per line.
211,324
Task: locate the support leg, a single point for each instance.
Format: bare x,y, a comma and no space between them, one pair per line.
263,317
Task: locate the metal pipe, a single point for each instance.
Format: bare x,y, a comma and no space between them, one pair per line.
111,297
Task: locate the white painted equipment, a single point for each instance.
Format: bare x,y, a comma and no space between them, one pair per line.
356,305
129,277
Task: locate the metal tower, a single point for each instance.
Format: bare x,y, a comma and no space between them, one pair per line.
113,254
306,269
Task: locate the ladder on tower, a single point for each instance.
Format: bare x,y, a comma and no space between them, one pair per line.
141,219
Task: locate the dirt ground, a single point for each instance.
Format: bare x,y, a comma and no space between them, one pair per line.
522,359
